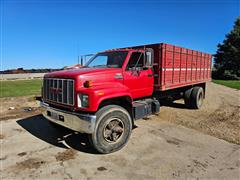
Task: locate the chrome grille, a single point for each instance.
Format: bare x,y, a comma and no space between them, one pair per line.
58,90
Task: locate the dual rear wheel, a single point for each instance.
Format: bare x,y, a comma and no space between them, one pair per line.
193,97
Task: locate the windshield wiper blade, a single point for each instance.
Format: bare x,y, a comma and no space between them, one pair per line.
113,66
100,66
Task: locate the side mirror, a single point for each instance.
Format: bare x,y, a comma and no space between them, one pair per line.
149,57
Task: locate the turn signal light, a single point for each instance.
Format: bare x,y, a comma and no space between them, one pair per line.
100,93
87,84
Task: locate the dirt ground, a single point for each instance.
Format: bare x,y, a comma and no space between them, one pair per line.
18,107
179,143
219,116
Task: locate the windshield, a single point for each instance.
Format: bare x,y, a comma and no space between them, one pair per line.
108,59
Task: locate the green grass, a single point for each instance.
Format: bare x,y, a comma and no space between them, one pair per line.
229,83
20,88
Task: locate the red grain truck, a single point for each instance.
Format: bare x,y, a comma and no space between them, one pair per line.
118,86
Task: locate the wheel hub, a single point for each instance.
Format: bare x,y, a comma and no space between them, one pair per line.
113,130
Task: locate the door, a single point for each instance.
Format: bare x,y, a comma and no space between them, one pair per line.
138,77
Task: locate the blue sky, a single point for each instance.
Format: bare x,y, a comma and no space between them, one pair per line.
51,34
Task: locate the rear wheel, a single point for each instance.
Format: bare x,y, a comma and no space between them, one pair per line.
197,96
113,129
187,97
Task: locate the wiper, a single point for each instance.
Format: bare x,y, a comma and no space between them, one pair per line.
113,66
99,66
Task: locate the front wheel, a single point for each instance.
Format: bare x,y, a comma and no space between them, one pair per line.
113,129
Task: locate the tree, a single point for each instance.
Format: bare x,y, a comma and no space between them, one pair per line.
227,58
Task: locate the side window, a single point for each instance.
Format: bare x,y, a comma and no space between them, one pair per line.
136,60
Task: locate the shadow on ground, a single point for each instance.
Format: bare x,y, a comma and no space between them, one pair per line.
39,127
173,104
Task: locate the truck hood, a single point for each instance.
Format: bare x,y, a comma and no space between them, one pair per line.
98,76
76,73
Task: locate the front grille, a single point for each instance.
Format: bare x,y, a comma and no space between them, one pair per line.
58,90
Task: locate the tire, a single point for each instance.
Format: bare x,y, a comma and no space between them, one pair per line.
113,129
187,97
197,97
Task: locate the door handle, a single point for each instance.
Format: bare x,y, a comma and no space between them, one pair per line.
150,75
118,76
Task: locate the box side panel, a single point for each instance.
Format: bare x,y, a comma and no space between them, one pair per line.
182,67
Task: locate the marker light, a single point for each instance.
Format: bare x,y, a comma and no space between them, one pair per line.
87,84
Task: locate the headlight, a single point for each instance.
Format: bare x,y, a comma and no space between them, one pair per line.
83,100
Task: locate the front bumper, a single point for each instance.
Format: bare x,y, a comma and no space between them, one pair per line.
83,123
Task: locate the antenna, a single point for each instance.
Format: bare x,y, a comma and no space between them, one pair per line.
81,61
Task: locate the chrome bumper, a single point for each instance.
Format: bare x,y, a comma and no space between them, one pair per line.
78,122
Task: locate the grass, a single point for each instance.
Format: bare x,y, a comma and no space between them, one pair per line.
20,88
229,83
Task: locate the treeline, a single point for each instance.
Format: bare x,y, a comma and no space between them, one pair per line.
21,70
227,58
